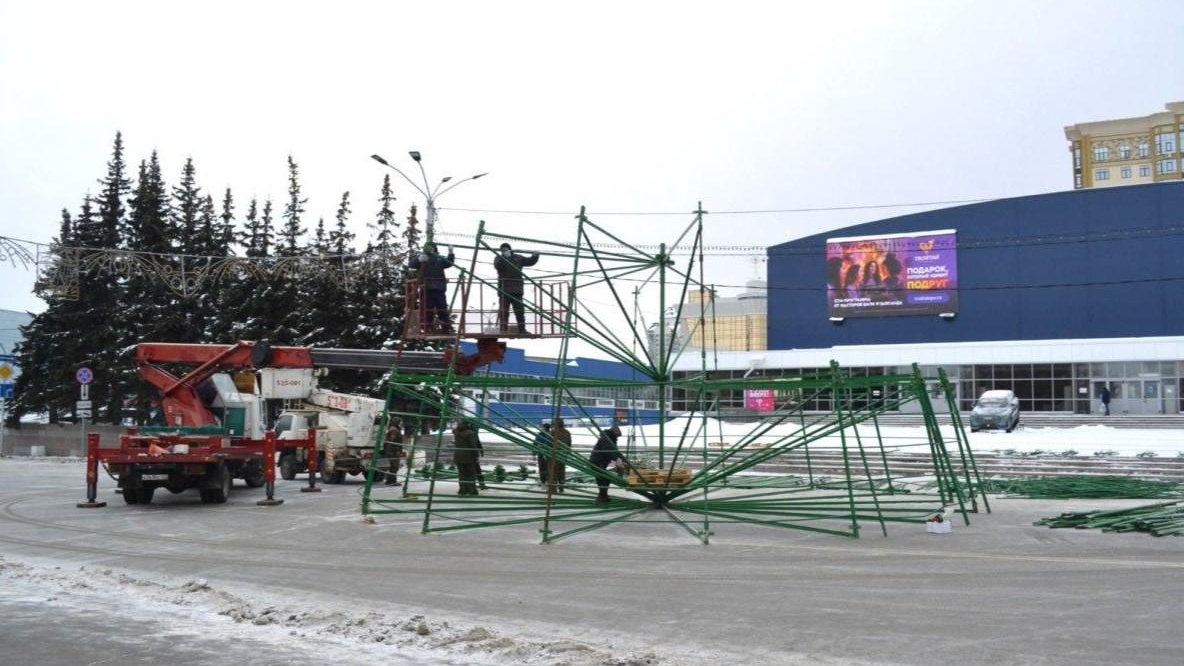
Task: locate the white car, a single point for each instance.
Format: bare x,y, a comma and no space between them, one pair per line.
995,410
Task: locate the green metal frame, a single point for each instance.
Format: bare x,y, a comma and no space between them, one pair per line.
739,476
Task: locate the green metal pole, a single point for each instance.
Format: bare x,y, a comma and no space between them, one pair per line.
663,371
561,371
838,397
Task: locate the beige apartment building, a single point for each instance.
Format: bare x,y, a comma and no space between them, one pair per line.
736,323
1128,151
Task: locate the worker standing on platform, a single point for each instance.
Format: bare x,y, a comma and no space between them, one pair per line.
604,453
435,286
510,288
466,453
561,445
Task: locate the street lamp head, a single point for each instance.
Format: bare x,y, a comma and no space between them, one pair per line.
479,175
415,155
378,158
445,179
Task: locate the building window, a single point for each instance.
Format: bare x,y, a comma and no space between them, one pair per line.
1102,174
1144,170
1165,143
1144,149
1165,166
1077,181
1101,153
1077,158
1126,172
1124,151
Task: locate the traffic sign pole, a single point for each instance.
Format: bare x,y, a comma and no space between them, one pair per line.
84,377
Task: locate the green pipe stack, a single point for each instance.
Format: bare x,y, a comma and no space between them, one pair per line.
1085,487
1163,519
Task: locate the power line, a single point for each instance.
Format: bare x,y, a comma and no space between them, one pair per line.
818,209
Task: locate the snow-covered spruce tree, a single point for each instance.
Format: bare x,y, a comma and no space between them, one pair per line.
185,217
287,310
49,342
256,319
100,293
148,311
226,309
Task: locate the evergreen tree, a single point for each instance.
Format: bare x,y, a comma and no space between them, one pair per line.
289,236
341,238
411,234
187,207
148,312
100,291
228,238
385,226
48,347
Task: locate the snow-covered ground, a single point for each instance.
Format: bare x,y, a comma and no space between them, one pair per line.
1085,440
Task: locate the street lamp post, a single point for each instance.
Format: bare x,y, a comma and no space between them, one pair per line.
431,194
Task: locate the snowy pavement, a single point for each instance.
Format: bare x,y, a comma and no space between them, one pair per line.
182,583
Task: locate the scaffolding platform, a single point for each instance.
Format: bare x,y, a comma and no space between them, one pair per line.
474,312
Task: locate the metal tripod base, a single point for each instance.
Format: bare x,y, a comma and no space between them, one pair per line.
310,489
91,505
269,502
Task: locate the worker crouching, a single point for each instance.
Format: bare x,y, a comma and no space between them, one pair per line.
603,454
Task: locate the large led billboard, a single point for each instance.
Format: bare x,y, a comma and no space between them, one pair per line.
893,274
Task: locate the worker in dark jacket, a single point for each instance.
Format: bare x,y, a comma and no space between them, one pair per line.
510,287
603,454
556,468
392,450
542,444
435,286
466,453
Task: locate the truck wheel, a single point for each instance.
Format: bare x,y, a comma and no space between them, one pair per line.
254,476
287,467
221,490
130,496
144,494
336,476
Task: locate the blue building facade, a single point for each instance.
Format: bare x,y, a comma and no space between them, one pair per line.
529,406
1098,263
1058,296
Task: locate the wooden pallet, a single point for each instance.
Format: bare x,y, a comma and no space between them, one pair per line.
659,478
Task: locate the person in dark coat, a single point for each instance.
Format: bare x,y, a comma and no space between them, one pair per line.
466,453
556,469
542,442
392,450
603,454
1105,396
510,288
435,286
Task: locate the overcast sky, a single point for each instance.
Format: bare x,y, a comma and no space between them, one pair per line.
633,106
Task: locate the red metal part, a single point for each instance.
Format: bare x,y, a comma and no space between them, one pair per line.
269,454
181,404
135,448
489,350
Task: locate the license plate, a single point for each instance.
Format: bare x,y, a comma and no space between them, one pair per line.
154,477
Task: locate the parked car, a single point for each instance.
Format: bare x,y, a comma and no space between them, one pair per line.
995,410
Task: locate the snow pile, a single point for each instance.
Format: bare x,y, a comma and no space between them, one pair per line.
371,637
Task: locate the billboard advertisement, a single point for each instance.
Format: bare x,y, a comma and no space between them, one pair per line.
893,274
760,400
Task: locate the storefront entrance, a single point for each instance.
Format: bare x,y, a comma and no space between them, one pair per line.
1138,396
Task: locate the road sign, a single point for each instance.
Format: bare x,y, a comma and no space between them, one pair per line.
82,404
82,413
6,392
84,375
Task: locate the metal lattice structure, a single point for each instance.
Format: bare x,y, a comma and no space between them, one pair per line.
830,471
